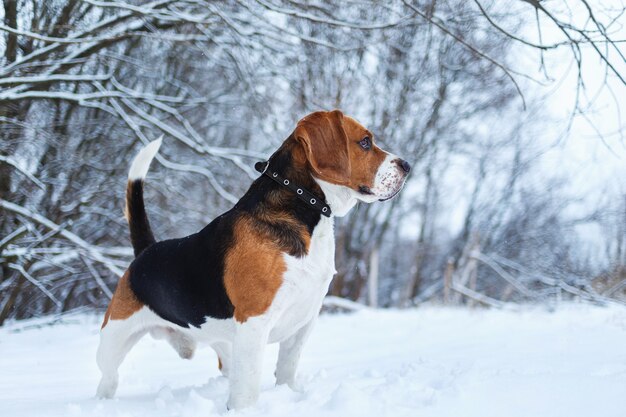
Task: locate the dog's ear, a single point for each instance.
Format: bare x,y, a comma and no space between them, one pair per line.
325,143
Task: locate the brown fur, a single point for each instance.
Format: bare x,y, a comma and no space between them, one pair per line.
331,144
123,304
253,272
296,239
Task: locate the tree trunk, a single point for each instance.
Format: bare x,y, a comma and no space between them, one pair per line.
372,279
10,20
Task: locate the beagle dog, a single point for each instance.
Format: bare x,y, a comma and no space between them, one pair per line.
258,273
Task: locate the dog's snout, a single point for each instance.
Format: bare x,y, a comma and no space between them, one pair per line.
406,167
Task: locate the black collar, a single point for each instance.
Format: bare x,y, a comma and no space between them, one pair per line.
303,194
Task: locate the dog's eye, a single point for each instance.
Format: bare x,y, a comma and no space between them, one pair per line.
366,143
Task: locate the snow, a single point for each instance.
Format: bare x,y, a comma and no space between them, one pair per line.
430,361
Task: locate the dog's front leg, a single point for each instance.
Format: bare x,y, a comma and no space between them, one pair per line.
289,355
247,359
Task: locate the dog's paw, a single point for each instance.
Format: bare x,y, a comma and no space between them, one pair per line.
186,351
234,403
293,383
106,388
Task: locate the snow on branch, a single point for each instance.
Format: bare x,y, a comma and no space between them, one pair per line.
475,295
91,250
343,303
15,164
331,21
84,97
54,77
36,283
161,159
495,262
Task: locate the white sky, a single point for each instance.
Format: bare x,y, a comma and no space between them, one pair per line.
593,165
592,156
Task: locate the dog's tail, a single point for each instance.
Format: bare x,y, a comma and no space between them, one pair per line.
140,232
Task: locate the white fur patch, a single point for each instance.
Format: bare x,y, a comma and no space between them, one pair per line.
141,163
340,198
389,179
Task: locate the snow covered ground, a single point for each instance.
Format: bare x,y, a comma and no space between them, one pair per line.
424,362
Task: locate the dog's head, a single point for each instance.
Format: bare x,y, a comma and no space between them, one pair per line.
345,160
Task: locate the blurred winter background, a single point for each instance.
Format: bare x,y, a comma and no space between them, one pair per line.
511,113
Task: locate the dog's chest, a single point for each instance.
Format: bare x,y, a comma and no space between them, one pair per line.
305,283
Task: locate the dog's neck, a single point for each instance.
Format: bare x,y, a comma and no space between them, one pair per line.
340,199
279,207
290,162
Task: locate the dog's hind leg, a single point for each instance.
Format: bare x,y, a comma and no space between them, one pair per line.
184,345
116,340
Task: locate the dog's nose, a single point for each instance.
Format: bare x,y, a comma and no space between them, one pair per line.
406,167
